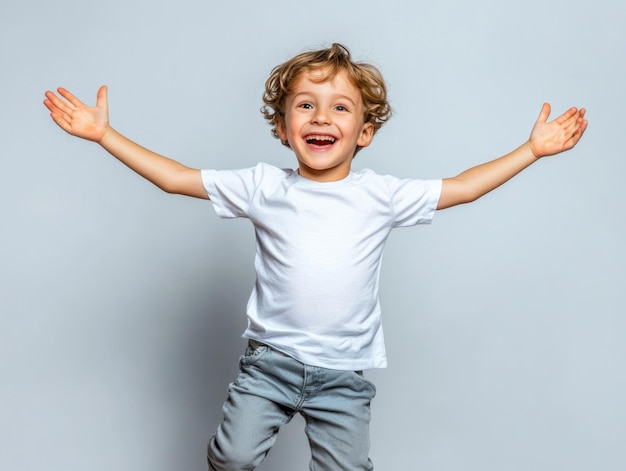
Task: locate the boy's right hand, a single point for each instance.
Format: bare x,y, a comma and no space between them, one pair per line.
78,119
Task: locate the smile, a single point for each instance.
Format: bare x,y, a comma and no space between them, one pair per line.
320,140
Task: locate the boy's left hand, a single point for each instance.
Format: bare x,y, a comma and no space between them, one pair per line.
558,135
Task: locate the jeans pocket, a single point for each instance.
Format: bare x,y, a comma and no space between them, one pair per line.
366,382
254,351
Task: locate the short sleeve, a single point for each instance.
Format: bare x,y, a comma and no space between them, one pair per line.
413,201
231,191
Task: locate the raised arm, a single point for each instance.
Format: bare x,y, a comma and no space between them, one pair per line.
92,123
546,138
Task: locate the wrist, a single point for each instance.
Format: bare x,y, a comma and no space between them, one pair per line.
532,153
108,131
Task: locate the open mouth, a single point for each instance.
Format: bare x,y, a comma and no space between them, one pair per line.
320,140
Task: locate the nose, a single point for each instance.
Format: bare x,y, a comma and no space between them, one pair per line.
320,116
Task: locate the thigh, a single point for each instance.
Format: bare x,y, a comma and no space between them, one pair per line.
251,420
337,423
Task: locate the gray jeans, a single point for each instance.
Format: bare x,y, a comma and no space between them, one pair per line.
271,387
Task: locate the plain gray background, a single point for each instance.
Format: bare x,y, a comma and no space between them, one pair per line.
121,306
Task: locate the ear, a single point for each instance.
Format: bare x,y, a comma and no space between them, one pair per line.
367,134
280,130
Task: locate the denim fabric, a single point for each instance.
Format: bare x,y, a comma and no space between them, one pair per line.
271,387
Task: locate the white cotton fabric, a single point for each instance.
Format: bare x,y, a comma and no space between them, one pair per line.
318,256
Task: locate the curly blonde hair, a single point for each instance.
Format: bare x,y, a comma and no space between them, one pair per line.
328,62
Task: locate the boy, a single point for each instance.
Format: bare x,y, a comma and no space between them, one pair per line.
313,316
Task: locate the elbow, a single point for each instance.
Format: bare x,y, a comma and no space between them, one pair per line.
170,187
168,184
165,185
173,182
471,196
468,191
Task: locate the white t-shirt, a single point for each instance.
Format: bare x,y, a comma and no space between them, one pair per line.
319,248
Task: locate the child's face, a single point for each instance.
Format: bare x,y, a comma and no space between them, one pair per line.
324,123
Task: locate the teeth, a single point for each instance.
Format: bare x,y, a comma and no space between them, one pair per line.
312,138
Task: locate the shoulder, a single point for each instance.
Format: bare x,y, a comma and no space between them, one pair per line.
398,187
271,171
255,175
367,176
370,177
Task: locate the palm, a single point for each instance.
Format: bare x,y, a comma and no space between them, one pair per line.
78,119
561,134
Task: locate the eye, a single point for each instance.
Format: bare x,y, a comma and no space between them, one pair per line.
341,108
306,106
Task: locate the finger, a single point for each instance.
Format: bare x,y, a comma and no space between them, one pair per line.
578,133
57,115
571,124
567,115
576,121
57,103
545,112
48,104
101,97
583,126
69,97
576,136
61,121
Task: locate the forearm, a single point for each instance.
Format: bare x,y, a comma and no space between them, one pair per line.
480,180
167,174
546,138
